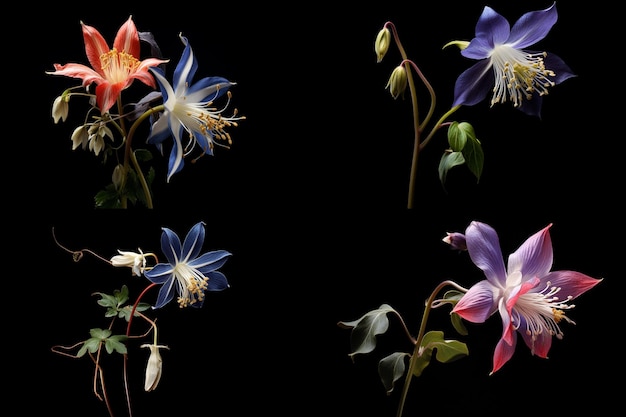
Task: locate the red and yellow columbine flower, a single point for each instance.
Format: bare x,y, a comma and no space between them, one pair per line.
112,70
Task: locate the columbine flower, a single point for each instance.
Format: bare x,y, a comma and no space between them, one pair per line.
187,274
511,72
189,108
112,70
154,367
530,298
136,261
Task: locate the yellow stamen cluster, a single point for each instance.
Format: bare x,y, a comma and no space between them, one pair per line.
194,292
118,65
519,75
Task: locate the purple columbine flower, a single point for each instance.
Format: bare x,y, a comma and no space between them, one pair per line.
505,68
531,299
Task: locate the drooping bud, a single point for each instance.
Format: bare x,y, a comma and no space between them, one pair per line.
60,108
381,46
455,240
118,176
154,367
397,82
80,137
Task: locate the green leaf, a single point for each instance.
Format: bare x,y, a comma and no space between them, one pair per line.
114,343
446,350
474,157
121,295
101,334
457,137
391,368
457,323
365,329
106,300
448,161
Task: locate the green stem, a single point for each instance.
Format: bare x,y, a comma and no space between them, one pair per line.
418,342
130,157
438,125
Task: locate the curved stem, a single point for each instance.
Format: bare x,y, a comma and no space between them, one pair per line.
438,125
130,320
418,342
128,156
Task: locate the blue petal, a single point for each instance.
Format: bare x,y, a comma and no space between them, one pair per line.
193,242
159,273
217,281
166,294
473,84
186,68
164,85
208,89
532,107
170,245
210,261
204,140
532,27
160,131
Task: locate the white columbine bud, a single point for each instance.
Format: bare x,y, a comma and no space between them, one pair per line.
154,367
136,261
381,46
60,108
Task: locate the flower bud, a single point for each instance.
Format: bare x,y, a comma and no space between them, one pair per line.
136,261
118,176
60,108
397,82
455,240
154,367
80,137
381,46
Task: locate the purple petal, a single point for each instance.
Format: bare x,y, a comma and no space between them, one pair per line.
572,283
561,70
478,303
532,27
492,28
534,257
540,346
473,85
483,246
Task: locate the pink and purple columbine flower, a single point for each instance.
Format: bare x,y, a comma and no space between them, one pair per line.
186,273
531,299
505,68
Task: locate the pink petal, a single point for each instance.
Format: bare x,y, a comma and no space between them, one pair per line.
127,39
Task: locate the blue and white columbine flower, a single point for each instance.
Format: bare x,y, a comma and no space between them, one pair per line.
186,273
190,111
505,68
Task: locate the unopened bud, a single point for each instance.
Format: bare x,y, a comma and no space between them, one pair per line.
118,176
154,367
456,240
397,82
60,108
381,46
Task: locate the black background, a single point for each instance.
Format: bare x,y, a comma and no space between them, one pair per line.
311,201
